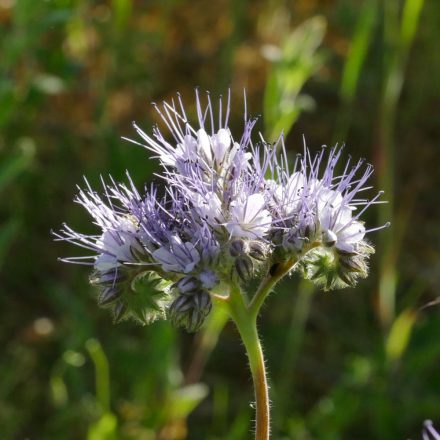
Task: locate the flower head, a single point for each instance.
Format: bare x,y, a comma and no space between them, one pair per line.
317,214
231,210
122,267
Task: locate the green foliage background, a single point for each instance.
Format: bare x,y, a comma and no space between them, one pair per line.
361,364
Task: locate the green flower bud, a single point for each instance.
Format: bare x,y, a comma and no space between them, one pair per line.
331,268
244,267
119,311
108,295
190,311
187,285
258,250
237,248
130,294
276,236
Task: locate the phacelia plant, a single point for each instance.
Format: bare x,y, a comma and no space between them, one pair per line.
231,213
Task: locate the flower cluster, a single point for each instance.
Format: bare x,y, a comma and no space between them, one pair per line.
231,210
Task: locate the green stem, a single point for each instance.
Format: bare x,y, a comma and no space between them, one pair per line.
247,327
267,284
245,315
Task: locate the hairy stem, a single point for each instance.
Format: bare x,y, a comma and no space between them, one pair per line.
245,315
247,327
256,361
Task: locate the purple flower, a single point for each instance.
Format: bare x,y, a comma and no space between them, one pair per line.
212,171
178,256
429,433
118,242
121,260
316,213
230,207
249,217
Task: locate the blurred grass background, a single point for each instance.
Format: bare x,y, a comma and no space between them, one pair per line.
361,364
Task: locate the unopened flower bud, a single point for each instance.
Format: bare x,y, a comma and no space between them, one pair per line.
258,250
190,311
332,268
187,285
244,267
237,248
202,301
354,264
108,295
319,266
109,278
119,311
346,278
343,253
180,305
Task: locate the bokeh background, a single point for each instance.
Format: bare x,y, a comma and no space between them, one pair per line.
362,363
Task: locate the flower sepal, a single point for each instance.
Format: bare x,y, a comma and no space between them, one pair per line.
190,310
331,269
141,296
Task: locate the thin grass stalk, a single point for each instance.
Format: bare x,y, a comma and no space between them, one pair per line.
399,35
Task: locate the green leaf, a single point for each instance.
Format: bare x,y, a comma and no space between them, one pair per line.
121,13
104,429
102,373
410,19
299,59
185,399
358,50
399,335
